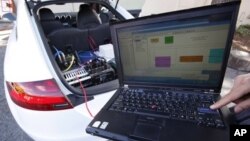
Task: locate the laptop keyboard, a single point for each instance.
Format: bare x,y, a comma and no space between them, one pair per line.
173,105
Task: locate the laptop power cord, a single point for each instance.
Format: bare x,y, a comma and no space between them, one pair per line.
85,96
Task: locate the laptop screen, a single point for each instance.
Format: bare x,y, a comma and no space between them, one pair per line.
185,51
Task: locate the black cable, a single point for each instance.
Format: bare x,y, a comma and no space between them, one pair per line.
116,4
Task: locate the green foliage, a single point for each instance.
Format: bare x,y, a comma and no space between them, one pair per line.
244,30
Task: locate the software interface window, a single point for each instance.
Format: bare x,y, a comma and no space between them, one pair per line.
178,51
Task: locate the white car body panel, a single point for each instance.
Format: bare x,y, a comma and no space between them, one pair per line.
22,47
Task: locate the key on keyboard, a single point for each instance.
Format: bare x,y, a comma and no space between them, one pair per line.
173,105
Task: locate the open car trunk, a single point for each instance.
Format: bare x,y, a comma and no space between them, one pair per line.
78,42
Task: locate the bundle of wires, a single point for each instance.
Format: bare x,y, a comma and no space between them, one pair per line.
71,63
59,54
62,58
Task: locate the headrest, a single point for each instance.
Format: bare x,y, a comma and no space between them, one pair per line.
105,17
46,14
86,18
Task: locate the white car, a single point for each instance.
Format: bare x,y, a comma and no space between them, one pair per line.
59,56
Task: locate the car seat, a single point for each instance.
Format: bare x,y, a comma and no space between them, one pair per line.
48,21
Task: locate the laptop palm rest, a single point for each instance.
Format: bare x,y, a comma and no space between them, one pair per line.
148,129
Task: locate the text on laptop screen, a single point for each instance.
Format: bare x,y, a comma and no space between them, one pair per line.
183,52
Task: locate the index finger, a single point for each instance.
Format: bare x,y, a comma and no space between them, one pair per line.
234,94
222,102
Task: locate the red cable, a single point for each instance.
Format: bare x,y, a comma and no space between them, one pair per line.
85,97
92,43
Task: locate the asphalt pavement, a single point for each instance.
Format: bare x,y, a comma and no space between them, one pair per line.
9,130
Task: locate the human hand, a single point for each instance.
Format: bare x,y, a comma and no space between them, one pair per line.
239,94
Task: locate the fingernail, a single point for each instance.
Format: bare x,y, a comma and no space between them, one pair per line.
212,107
237,109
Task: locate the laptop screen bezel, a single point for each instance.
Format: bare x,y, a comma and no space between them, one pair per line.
232,7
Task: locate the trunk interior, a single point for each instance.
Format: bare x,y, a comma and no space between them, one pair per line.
79,39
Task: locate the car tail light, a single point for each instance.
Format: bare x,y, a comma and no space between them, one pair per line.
42,95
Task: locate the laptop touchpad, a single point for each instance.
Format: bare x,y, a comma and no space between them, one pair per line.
147,131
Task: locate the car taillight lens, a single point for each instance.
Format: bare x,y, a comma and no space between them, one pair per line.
42,95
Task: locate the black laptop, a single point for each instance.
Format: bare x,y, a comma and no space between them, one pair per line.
171,68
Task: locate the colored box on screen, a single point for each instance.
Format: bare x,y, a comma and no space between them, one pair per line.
154,40
169,39
216,55
191,58
163,61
